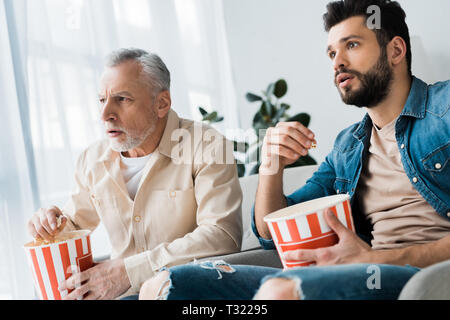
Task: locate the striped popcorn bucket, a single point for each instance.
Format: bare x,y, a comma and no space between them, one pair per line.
303,226
53,263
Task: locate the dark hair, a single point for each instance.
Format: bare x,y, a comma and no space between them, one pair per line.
392,20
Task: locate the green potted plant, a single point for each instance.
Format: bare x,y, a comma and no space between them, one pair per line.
270,112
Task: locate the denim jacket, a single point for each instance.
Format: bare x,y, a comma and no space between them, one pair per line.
422,132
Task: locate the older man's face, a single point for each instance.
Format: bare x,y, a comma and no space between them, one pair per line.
127,104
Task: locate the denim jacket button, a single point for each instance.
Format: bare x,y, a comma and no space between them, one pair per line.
438,166
402,146
415,179
448,214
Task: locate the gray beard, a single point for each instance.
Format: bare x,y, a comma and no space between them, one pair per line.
131,142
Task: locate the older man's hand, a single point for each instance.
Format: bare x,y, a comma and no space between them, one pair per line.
104,281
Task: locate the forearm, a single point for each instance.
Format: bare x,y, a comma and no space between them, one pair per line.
269,198
421,256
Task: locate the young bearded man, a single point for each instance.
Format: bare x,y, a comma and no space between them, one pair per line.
393,164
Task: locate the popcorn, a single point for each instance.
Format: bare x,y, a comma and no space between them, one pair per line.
53,261
42,242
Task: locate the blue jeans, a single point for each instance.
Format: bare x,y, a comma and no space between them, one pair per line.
218,280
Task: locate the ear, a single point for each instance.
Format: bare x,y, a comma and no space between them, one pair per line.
396,51
163,103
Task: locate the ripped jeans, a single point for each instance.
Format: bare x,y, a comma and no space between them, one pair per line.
212,280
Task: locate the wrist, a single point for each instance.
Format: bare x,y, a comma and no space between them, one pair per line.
271,167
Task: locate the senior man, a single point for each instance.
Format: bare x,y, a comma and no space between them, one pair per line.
165,188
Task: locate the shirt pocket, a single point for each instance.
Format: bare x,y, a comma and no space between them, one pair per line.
341,185
173,212
438,167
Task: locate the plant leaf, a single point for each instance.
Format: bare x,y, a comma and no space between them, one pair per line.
251,97
240,169
285,105
303,118
202,111
255,169
210,117
240,146
280,113
264,110
270,89
280,88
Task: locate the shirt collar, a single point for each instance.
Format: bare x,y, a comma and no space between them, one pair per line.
415,107
416,103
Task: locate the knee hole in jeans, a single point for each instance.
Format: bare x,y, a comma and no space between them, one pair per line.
280,289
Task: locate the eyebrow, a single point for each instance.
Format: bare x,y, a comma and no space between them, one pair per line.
345,39
116,94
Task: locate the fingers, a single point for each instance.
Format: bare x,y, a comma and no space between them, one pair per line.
74,281
44,221
63,223
44,224
78,293
295,128
92,296
334,223
287,134
36,228
286,141
52,214
301,255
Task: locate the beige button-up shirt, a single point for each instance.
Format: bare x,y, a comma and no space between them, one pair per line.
187,206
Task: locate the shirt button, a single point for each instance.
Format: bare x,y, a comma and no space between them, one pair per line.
415,180
438,166
402,146
448,214
137,218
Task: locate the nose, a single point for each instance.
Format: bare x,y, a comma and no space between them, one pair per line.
108,113
340,61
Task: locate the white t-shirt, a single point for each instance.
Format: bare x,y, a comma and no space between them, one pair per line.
132,172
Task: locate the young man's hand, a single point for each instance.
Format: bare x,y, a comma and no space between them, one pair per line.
349,249
283,145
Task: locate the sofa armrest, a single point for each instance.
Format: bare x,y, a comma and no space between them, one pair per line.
431,283
255,257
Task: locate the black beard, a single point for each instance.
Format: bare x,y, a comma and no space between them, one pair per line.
375,84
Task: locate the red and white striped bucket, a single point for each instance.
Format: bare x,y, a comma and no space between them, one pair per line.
53,263
303,226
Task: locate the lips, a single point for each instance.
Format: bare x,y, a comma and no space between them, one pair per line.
114,133
344,79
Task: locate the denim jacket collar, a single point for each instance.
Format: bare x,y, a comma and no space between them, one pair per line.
415,107
363,127
416,104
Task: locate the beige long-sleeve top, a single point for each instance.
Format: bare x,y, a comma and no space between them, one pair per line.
187,206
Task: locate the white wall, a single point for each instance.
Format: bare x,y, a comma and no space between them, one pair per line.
272,39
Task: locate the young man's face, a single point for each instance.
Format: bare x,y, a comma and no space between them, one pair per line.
361,68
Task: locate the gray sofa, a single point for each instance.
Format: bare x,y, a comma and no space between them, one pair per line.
430,283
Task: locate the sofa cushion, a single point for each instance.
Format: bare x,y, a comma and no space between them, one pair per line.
293,178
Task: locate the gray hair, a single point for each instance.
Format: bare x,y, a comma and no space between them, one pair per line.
153,68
